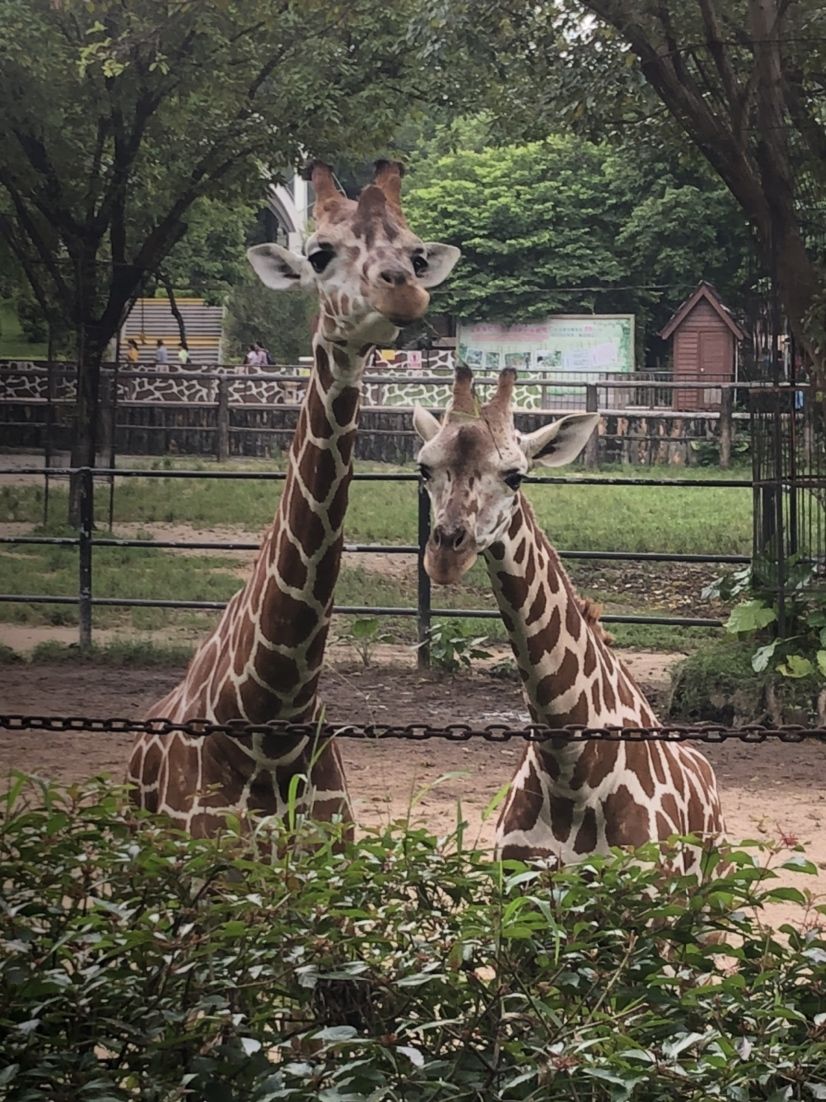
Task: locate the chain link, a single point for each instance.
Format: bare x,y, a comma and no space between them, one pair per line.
414,732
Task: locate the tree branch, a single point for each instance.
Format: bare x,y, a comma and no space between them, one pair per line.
166,283
719,54
27,224
29,267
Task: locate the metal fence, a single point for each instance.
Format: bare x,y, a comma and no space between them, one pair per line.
89,544
788,432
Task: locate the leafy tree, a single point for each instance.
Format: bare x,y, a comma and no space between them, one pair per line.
567,225
119,118
533,223
741,80
282,323
209,259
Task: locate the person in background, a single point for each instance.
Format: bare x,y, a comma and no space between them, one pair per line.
133,353
251,357
260,355
161,356
266,358
183,354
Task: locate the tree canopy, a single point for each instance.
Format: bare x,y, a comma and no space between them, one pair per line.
570,226
742,81
118,118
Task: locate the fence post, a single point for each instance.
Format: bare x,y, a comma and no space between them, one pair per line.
423,604
222,450
113,449
726,426
87,519
107,428
592,447
51,394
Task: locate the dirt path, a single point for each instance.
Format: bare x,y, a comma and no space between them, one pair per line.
772,792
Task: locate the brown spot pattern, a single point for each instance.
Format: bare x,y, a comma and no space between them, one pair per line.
586,837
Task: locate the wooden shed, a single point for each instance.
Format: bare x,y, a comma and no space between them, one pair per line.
704,348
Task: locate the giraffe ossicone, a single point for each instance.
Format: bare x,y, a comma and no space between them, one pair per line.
262,662
567,798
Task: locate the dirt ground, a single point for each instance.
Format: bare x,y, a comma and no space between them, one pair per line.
773,792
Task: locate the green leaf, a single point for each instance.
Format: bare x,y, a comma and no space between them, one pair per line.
820,658
750,616
364,629
796,666
761,657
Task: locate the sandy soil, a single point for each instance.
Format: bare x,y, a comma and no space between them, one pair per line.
775,792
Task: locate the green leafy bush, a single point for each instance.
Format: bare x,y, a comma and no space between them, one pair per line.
139,964
453,649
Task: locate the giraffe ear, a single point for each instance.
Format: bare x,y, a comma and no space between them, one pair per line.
561,442
425,424
277,267
441,260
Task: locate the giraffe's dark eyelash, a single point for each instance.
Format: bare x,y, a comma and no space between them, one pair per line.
513,479
424,472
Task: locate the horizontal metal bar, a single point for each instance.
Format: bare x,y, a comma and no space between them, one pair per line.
373,548
654,556
342,610
379,476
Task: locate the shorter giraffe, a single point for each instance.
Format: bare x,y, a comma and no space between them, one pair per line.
568,798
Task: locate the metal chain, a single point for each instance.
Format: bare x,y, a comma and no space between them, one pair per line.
415,732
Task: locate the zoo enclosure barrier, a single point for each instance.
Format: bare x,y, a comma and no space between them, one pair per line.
87,544
710,733
643,419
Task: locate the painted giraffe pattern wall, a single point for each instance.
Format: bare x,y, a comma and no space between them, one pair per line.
567,798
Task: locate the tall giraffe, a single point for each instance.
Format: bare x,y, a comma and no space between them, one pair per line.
262,662
567,798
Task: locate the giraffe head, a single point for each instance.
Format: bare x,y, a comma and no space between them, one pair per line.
472,464
371,272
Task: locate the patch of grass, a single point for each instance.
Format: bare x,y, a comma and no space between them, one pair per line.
127,652
157,573
9,656
586,517
118,572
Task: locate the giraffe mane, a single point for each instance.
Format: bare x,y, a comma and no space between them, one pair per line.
592,612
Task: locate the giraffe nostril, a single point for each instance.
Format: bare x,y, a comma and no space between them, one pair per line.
437,535
459,539
395,277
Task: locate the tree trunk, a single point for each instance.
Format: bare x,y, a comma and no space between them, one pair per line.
173,306
91,347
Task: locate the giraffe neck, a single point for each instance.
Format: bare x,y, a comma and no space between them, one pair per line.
569,672
264,659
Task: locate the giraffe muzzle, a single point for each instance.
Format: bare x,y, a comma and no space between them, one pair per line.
449,554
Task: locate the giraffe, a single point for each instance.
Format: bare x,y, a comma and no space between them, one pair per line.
262,662
567,799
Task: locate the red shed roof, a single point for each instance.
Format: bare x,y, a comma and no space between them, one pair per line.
703,291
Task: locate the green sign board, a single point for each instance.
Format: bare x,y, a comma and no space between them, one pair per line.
583,345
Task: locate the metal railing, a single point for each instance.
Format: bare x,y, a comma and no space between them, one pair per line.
87,543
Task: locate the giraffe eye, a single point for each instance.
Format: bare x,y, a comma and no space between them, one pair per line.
513,479
320,259
420,264
424,472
